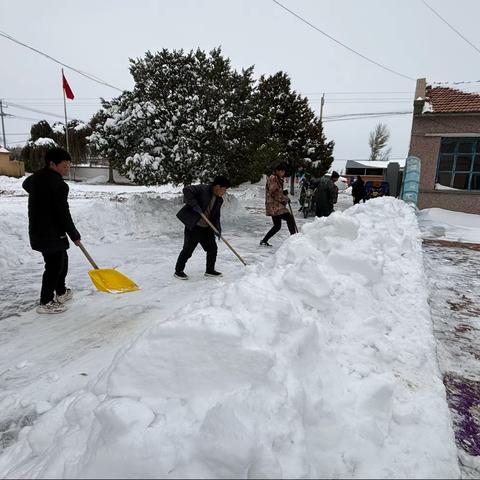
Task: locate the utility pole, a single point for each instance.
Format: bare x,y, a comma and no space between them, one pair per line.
3,124
322,101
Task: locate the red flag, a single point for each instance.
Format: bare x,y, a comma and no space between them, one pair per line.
68,91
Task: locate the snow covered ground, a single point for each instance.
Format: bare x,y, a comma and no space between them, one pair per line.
452,263
440,224
317,360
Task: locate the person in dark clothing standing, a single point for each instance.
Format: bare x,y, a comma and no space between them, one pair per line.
206,199
276,201
49,224
326,195
358,190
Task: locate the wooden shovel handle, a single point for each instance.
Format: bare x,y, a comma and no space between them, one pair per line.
89,258
212,226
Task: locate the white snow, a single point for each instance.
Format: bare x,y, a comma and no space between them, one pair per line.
427,107
443,224
439,186
44,142
58,127
317,360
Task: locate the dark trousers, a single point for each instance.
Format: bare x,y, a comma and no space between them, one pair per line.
277,225
199,235
56,268
323,211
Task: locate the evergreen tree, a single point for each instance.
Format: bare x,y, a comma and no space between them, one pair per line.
189,117
41,139
292,123
78,133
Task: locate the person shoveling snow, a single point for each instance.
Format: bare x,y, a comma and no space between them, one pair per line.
49,223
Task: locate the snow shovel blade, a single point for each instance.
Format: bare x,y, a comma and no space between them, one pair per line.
111,281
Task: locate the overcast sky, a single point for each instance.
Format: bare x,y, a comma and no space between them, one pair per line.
99,36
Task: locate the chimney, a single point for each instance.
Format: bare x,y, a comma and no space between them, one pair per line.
420,92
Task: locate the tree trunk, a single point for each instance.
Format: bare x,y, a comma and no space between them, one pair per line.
110,173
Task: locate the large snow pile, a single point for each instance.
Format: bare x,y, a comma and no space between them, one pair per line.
319,362
441,224
102,214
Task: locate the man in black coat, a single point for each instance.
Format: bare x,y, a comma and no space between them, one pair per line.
49,223
326,195
206,199
358,190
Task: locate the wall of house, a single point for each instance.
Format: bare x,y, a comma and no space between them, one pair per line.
427,149
11,168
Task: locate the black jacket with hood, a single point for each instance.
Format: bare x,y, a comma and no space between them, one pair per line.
48,212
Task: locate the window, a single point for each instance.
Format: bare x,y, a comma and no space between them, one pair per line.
355,171
459,163
374,171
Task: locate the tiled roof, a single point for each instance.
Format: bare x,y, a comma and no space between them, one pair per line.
449,100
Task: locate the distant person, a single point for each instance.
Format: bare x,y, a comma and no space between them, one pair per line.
276,201
358,190
305,180
49,224
326,195
206,199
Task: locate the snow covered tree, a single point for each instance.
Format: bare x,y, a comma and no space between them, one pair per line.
78,132
41,139
189,117
43,136
378,140
292,123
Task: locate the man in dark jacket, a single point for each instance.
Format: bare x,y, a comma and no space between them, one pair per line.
206,199
358,190
326,195
49,223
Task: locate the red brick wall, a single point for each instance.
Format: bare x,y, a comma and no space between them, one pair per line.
427,149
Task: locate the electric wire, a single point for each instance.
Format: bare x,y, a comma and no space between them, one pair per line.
84,74
450,25
378,64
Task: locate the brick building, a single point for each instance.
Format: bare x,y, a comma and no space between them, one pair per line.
446,138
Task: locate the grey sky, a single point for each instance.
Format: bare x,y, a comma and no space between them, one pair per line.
99,37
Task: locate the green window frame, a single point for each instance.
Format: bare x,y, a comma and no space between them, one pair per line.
458,164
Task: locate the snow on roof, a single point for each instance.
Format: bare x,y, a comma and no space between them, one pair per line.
373,163
3,150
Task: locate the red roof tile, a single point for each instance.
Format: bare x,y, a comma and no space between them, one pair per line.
449,100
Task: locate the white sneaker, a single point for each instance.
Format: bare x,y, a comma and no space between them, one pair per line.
68,295
52,307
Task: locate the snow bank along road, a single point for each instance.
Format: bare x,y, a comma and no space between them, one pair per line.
317,360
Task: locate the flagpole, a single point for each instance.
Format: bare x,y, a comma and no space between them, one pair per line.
65,111
66,124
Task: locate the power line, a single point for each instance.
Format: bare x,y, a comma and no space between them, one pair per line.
345,118
21,107
353,93
450,25
404,112
84,74
24,118
342,44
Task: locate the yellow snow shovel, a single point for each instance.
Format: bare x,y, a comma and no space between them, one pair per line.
107,279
